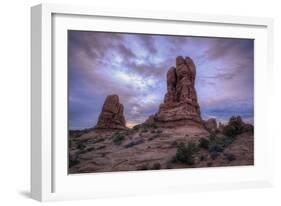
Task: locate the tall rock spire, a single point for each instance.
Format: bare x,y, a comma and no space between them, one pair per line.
180,102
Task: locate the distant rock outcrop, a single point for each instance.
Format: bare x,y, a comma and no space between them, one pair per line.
211,125
180,102
111,116
237,123
221,127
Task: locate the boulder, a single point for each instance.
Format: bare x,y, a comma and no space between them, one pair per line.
111,116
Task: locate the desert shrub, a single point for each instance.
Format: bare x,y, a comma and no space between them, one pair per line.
159,131
134,143
153,137
214,155
212,137
89,149
145,130
248,128
220,142
81,146
148,126
136,127
96,140
153,125
204,143
202,158
73,160
231,130
227,141
215,148
185,153
230,157
70,143
78,133
156,166
209,164
118,138
144,167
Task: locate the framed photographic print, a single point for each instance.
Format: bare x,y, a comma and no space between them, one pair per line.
137,102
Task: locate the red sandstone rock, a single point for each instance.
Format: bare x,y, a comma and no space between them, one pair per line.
180,102
211,124
112,116
221,127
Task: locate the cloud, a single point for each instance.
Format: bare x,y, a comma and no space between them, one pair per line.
134,66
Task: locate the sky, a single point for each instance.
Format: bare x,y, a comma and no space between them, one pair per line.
134,67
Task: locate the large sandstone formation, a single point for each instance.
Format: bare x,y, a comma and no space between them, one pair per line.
180,102
111,116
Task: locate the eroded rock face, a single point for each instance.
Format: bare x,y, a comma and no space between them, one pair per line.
211,124
180,102
111,116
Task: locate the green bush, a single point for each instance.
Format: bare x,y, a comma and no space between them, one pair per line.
204,143
185,153
230,157
118,138
214,154
231,131
153,137
70,143
73,160
216,148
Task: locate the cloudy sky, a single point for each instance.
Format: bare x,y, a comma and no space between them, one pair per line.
134,66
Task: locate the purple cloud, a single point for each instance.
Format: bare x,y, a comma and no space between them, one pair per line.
134,66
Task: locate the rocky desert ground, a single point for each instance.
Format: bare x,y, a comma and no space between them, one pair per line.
175,137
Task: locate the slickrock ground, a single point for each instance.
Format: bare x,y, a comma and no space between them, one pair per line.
149,147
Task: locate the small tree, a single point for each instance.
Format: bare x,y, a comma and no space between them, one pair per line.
204,143
185,153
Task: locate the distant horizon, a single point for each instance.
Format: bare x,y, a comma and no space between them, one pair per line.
134,67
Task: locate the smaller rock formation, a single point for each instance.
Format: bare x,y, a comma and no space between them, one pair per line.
111,116
211,125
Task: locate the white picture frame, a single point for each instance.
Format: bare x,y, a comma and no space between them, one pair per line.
49,178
